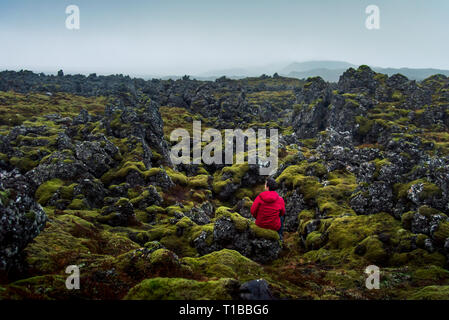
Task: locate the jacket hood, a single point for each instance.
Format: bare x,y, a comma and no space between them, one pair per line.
269,196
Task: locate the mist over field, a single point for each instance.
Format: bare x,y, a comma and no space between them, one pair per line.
161,38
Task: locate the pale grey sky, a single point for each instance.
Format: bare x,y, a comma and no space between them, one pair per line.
162,37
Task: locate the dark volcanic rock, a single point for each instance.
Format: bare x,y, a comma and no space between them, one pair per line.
226,235
255,290
373,198
360,80
121,213
59,165
201,214
294,204
94,156
21,218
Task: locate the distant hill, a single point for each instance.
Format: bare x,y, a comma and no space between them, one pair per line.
413,74
333,75
316,65
327,69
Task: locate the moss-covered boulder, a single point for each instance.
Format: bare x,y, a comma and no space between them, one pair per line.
183,289
71,239
233,231
360,240
225,264
431,293
144,263
47,287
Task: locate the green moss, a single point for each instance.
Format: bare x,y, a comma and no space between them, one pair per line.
429,211
4,197
18,107
397,95
345,279
154,209
353,241
303,177
121,202
153,172
418,257
235,174
140,265
381,78
73,221
431,293
132,192
244,193
77,204
314,240
66,192
3,157
199,197
172,209
240,222
264,233
178,237
237,170
348,231
429,191
374,250
332,257
121,173
303,218
24,164
181,289
430,274
420,240
141,198
225,264
46,287
185,222
199,181
308,185
47,189
379,163
65,248
177,177
160,256
441,233
217,186
407,219
208,229
309,143
332,199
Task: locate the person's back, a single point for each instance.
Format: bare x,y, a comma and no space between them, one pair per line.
268,208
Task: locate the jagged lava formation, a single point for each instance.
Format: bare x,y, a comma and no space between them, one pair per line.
86,179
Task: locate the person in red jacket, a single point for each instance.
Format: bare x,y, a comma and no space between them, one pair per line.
269,208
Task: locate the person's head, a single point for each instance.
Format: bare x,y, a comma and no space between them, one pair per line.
271,184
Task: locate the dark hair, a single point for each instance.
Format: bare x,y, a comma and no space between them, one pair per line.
272,184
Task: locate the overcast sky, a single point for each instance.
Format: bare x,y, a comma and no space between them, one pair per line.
161,37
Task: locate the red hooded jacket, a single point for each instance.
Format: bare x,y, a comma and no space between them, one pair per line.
267,208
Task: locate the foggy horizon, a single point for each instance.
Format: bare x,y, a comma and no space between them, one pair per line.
161,38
